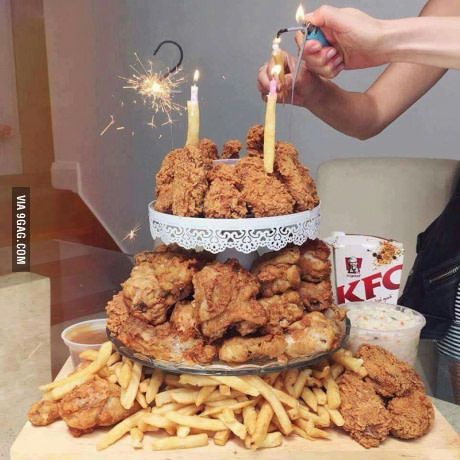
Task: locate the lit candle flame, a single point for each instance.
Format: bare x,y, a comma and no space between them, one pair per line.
276,70
196,76
300,15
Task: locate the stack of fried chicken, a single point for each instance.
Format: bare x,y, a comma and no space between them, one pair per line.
182,306
189,182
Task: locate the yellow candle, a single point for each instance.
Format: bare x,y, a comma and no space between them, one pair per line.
193,111
278,59
270,123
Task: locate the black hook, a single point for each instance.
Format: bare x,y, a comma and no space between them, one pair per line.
181,55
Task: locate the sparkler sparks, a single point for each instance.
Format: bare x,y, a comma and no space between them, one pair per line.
155,90
111,122
131,235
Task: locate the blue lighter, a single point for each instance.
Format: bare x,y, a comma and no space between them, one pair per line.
311,33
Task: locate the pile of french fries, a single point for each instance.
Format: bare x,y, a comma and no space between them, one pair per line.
190,409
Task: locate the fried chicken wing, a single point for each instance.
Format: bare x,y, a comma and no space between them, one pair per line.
95,403
223,200
278,271
295,176
255,141
389,375
117,311
208,148
231,149
243,349
282,310
314,333
366,419
412,415
264,193
316,296
184,319
225,296
314,262
190,183
165,342
154,286
43,413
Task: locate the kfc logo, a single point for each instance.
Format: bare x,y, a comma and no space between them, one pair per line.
353,265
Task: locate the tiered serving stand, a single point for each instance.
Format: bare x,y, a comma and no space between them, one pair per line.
243,239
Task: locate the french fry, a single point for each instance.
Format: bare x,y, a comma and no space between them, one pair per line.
320,396
286,399
189,410
120,429
234,407
294,414
310,399
104,372
274,439
102,357
332,393
154,385
324,417
271,378
263,421
88,355
129,395
114,358
144,427
306,414
174,442
323,374
125,373
336,417
224,390
195,421
204,394
136,438
290,377
336,370
159,421
309,427
300,382
238,384
140,398
362,371
112,378
347,361
183,431
299,432
250,418
267,392
227,417
221,403
221,437
166,408
143,385
197,380
172,380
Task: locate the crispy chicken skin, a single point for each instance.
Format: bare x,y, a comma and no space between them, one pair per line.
314,333
95,403
366,419
282,310
278,271
231,149
412,415
264,193
208,148
165,342
255,140
117,311
316,296
389,375
314,262
190,183
184,319
43,413
225,296
201,258
295,176
243,349
223,199
154,286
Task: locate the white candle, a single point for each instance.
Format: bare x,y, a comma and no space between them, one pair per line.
193,109
270,123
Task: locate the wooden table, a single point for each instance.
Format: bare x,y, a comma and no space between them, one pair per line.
55,443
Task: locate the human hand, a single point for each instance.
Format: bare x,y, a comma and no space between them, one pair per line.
5,131
356,36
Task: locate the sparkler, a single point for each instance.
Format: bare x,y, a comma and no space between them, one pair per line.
131,235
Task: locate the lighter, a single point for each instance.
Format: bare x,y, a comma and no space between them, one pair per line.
310,31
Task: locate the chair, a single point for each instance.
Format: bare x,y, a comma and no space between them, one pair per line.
390,197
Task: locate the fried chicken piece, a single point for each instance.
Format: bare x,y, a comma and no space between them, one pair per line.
282,310
278,271
223,200
200,257
156,285
314,262
264,193
184,319
255,141
295,176
314,333
43,413
117,311
164,180
412,415
208,148
95,403
231,149
366,419
243,349
165,342
225,296
190,183
389,375
316,296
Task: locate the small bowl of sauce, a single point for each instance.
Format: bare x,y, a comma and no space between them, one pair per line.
87,335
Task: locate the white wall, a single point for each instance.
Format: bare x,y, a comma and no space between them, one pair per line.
90,43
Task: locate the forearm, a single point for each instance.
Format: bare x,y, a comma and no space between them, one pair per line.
431,41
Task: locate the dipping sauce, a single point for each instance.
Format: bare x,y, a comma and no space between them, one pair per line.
87,335
393,327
